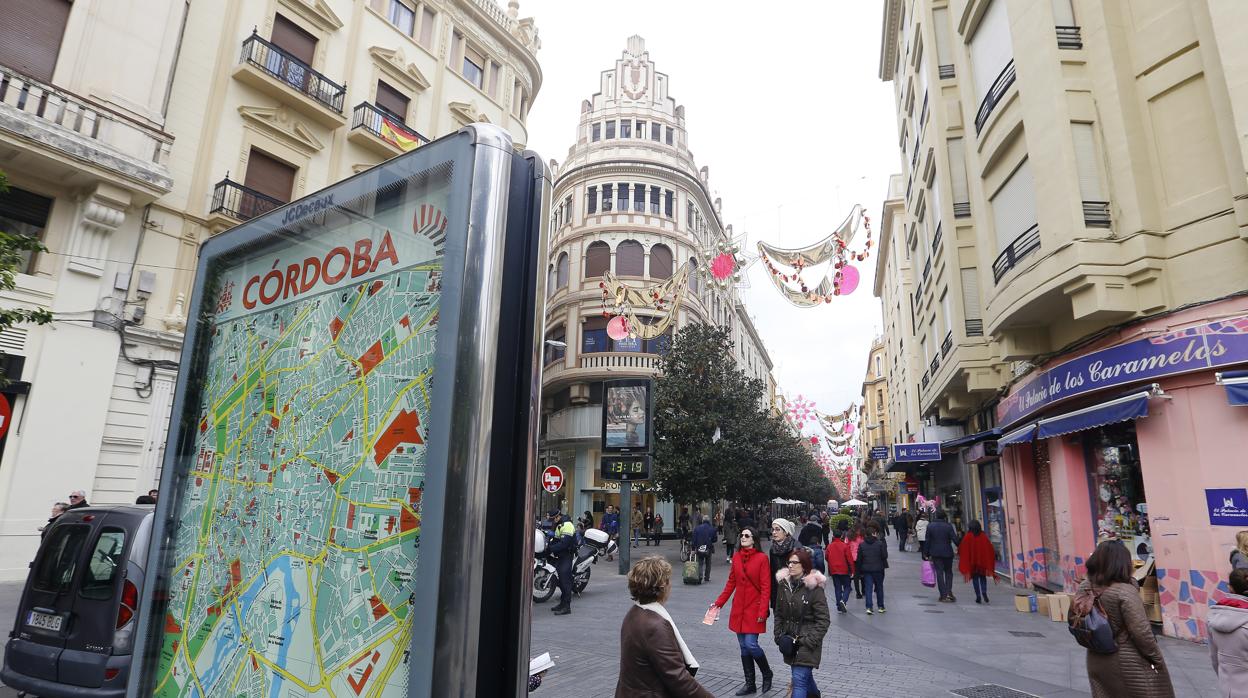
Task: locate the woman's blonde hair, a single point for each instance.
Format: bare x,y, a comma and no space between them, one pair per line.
1241,542
649,579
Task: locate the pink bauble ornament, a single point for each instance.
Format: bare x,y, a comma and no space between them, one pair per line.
849,279
723,266
849,450
617,328
849,428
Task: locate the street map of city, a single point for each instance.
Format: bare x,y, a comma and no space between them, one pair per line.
297,531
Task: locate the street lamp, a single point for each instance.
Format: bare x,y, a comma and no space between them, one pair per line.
557,344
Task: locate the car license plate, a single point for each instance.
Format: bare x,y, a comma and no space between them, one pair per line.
45,621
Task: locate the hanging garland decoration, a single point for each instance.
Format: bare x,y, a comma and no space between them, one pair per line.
840,427
726,264
801,411
841,277
621,300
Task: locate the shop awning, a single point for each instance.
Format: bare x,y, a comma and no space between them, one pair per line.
1021,435
969,439
1236,384
1121,409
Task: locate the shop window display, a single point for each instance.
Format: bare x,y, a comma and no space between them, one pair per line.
1121,506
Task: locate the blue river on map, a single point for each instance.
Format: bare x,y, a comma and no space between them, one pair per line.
228,642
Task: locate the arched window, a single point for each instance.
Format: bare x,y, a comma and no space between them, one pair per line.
660,262
693,274
550,281
561,271
597,259
630,259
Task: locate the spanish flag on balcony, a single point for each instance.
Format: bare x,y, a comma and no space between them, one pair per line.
395,135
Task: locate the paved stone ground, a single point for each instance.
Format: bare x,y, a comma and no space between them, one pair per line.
919,648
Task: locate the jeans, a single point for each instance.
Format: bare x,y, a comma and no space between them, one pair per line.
749,645
858,584
874,581
803,682
944,575
704,566
638,534
728,547
980,582
840,587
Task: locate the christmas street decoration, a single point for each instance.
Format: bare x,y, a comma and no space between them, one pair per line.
726,264
841,277
621,300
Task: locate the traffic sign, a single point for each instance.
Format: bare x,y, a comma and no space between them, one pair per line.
552,478
6,415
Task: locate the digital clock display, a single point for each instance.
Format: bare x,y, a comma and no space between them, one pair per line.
626,468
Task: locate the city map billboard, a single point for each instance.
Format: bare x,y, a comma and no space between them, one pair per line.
331,435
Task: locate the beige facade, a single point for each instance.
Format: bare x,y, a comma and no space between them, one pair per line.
1067,166
874,414
132,132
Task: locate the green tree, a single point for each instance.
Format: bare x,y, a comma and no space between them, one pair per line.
12,247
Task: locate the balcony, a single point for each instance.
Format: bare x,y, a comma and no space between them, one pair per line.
923,113
54,125
995,94
1022,246
947,345
382,132
576,423
961,209
936,240
924,381
1068,38
633,361
975,328
241,203
934,366
277,73
947,72
1096,214
927,270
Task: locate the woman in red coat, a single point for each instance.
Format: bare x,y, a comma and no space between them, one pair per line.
750,580
977,559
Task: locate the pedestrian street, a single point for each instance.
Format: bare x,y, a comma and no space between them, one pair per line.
918,648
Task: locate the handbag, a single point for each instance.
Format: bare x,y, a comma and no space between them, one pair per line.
1093,630
929,574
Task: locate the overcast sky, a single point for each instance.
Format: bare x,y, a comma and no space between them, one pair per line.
786,110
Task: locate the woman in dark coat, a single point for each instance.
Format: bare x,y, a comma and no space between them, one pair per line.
871,563
1137,669
802,613
749,585
655,662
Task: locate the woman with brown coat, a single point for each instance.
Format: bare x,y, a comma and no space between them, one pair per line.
1137,669
655,662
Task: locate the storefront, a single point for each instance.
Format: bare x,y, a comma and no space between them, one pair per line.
985,468
1137,439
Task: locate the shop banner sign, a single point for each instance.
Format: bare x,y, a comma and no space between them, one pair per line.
916,453
1211,345
1228,507
879,452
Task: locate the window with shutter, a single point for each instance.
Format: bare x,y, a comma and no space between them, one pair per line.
1014,206
630,259
957,179
621,197
639,198
944,45
269,176
292,39
24,213
427,19
30,35
970,303
1085,160
660,262
597,259
391,100
990,47
561,271
693,274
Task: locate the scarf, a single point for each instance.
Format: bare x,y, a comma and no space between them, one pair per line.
784,547
684,649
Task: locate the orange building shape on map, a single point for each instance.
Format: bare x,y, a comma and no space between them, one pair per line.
404,429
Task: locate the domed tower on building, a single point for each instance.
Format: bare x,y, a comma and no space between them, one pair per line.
628,198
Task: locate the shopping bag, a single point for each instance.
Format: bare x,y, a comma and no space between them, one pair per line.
929,574
712,615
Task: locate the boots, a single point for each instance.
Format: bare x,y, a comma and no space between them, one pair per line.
766,671
747,665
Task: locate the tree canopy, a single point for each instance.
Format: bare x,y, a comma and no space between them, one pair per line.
756,457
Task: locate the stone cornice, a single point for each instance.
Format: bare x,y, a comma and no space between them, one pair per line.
888,38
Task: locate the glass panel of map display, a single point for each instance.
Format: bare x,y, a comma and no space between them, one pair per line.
293,546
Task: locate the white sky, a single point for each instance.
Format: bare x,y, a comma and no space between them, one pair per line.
787,111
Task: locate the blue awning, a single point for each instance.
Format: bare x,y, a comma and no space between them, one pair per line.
1236,384
970,439
1121,409
1021,435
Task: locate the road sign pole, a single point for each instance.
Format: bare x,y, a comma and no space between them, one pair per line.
626,524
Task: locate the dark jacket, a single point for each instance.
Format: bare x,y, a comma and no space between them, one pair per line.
811,534
704,534
563,544
882,523
872,556
651,664
942,540
802,611
1137,669
79,505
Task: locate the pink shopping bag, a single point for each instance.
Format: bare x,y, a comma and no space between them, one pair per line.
929,574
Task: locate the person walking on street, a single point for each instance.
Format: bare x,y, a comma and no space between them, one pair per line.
749,586
78,499
871,563
1137,669
840,561
611,525
1239,556
802,619
901,524
563,551
648,523
811,536
655,662
704,547
635,523
977,560
854,539
731,529
656,530
1228,638
920,533
782,542
881,525
682,523
942,540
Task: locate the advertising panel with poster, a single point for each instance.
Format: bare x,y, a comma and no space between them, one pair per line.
626,419
313,451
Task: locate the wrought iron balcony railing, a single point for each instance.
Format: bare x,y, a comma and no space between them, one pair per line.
995,93
927,269
385,126
925,380
974,328
1096,214
934,366
1022,246
961,209
936,239
946,72
947,345
241,202
923,113
294,72
1069,38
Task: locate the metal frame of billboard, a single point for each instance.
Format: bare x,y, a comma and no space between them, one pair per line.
648,445
499,208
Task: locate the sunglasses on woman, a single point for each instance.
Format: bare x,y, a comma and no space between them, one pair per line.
746,535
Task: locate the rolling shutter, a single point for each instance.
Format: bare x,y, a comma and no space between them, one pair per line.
30,35
630,259
292,39
957,173
269,176
660,262
970,294
990,48
597,259
392,100
1014,206
1085,161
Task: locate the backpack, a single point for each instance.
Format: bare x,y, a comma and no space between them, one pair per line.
1093,630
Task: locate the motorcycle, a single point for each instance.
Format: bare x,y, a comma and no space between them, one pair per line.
546,578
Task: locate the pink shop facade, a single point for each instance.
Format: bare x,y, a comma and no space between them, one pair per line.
1140,436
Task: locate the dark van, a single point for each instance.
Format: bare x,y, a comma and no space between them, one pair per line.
75,627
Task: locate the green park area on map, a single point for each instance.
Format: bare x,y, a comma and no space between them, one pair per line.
297,538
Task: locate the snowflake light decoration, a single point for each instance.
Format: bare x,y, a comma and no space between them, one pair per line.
801,411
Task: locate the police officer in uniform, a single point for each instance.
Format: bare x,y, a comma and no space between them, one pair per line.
563,551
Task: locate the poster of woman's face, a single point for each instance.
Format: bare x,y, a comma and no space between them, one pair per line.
626,416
